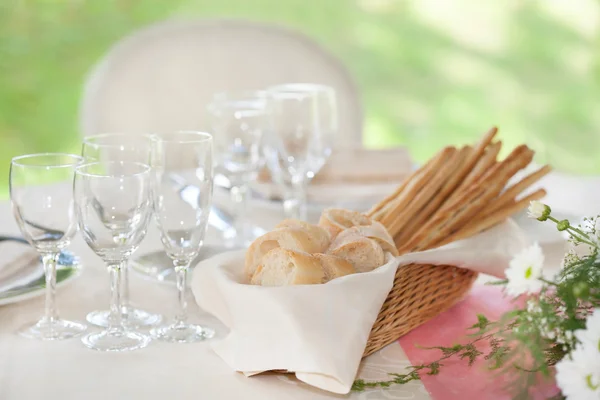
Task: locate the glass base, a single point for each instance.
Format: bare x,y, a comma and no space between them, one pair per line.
116,340
132,318
182,333
58,329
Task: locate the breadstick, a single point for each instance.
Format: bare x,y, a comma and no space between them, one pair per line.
485,163
383,203
494,218
414,187
452,219
426,212
513,191
500,173
472,159
452,215
424,196
393,201
445,217
377,208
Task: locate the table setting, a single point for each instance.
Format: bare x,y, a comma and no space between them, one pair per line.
266,258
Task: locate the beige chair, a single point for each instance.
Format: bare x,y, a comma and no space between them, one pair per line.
162,77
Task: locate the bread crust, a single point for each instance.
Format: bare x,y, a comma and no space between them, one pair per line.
334,267
364,254
280,267
335,220
288,238
320,234
375,231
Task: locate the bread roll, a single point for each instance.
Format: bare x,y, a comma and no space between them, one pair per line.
375,231
281,267
363,253
320,235
334,267
288,238
336,220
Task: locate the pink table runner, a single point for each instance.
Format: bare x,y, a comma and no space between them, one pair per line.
456,379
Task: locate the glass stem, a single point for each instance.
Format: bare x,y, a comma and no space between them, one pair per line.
115,320
239,197
181,268
299,186
290,204
50,260
124,288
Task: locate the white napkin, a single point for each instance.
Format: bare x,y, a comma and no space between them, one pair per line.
319,332
349,195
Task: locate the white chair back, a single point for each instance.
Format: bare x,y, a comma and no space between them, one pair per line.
162,77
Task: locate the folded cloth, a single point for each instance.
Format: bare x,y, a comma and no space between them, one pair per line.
19,265
354,196
356,164
353,177
319,332
359,165
458,380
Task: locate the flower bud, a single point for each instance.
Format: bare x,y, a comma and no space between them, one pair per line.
563,225
538,210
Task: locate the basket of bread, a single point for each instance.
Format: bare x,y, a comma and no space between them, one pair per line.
357,281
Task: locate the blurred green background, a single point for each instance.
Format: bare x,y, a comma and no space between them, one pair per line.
431,72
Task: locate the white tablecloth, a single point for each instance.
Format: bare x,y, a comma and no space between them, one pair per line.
67,370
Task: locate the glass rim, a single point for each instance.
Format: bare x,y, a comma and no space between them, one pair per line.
219,107
78,160
201,137
79,169
90,138
299,87
245,93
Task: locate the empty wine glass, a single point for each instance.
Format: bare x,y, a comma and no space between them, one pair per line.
304,125
239,120
182,166
126,148
42,203
113,206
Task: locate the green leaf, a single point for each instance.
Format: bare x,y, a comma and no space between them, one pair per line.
482,323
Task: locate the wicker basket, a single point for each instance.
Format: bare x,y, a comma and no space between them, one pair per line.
420,292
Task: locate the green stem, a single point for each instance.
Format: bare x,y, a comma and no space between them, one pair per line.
575,232
400,379
549,282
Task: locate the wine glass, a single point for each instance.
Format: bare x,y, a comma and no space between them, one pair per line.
42,203
304,126
113,206
239,120
127,148
181,212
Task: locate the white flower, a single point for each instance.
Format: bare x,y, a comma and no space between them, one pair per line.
578,376
538,210
524,271
590,336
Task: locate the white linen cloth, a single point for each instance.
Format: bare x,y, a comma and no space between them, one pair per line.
319,332
19,264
